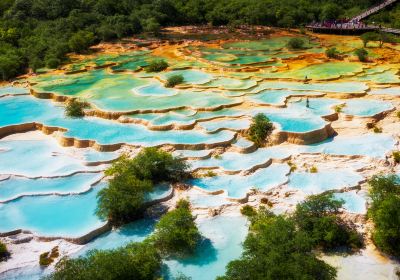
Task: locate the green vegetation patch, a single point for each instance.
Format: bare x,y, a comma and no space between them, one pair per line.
123,199
176,233
276,249
75,108
156,66
259,129
385,213
174,80
4,254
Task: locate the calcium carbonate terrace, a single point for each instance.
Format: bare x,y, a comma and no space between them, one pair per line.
52,167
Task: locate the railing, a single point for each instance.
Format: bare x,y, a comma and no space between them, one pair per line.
372,10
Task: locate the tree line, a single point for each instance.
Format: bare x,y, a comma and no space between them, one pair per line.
39,33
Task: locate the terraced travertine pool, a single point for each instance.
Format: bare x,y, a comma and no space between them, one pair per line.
52,167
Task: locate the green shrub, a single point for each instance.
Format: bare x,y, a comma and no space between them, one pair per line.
46,258
125,195
276,249
385,213
339,108
4,254
362,54
152,164
176,233
313,169
52,62
398,114
151,25
174,80
369,36
156,66
139,261
295,43
248,211
292,166
259,129
332,53
75,108
317,216
377,129
210,173
396,156
81,41
123,199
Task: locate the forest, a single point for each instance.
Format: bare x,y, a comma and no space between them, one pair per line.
39,33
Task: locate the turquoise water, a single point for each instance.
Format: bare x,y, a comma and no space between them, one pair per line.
231,84
50,159
387,77
371,145
101,130
276,97
316,106
156,89
200,199
389,91
243,143
365,107
322,71
172,117
323,180
233,161
10,90
334,87
292,121
115,92
194,77
192,153
52,215
295,118
353,202
216,250
236,186
159,191
233,124
91,156
133,232
18,186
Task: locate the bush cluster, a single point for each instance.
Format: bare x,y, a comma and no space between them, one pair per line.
46,258
295,44
4,254
175,235
283,247
75,108
139,261
318,217
362,54
276,249
174,80
132,179
385,213
259,129
332,53
156,66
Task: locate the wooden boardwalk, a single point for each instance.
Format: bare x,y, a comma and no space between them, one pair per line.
372,10
354,26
